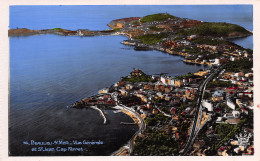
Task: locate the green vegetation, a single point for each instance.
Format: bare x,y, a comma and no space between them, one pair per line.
192,57
190,50
183,126
177,38
223,129
142,78
154,119
214,29
178,49
155,143
183,106
189,75
226,132
193,51
116,29
157,17
213,56
58,29
151,39
206,95
243,65
219,84
166,110
156,100
155,28
135,22
225,106
210,41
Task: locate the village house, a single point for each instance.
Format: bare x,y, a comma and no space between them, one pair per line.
143,98
129,86
207,105
230,103
123,92
102,91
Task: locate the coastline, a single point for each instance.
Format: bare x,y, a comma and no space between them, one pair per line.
123,150
57,31
127,149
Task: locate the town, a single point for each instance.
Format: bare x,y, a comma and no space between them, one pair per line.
168,104
206,113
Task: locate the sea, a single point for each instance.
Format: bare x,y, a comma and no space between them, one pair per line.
50,72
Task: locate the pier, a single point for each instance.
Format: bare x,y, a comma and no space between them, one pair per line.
101,113
127,123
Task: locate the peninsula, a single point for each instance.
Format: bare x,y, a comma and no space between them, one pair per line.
199,42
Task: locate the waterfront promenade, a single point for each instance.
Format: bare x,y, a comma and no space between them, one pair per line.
127,149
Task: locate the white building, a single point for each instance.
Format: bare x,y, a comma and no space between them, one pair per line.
233,58
233,81
105,90
230,104
249,75
219,120
185,81
207,105
171,81
129,86
216,61
236,114
163,79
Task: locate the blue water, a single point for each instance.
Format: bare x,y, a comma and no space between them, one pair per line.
50,72
97,17
246,42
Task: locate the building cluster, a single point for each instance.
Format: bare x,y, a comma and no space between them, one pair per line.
175,98
229,105
227,100
161,92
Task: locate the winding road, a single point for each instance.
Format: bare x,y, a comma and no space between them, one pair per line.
141,127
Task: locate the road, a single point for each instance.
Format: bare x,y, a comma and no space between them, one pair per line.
196,120
141,127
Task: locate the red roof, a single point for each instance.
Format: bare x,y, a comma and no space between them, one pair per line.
235,87
217,109
173,109
222,148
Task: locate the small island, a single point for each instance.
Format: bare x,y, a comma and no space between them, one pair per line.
209,112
